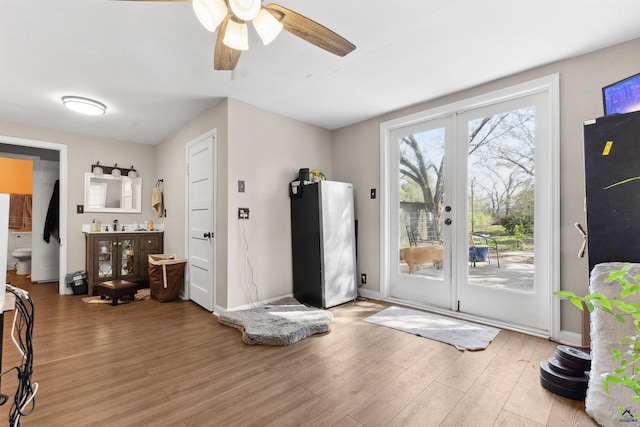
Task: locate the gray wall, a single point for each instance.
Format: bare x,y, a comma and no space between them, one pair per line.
171,160
265,150
356,157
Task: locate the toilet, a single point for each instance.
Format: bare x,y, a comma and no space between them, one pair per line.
22,252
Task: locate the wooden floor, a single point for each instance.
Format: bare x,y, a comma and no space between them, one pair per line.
172,364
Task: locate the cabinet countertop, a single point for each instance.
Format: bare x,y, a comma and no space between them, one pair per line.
123,232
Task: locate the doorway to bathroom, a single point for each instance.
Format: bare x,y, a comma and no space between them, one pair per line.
16,180
48,262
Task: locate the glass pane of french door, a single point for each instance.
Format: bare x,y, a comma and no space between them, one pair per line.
420,270
501,183
506,167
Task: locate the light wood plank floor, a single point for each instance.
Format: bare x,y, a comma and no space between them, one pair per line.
173,364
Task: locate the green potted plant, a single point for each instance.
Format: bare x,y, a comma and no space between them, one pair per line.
627,371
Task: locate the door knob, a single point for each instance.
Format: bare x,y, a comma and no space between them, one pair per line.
447,221
208,235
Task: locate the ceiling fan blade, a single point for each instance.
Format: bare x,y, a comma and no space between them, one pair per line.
224,57
311,31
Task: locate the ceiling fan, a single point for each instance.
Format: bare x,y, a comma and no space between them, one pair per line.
230,17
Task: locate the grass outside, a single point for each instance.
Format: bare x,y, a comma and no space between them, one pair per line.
506,242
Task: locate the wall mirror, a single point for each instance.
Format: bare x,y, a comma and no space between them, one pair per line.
107,193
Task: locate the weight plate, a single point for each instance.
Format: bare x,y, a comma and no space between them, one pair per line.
579,357
570,363
561,391
572,383
557,366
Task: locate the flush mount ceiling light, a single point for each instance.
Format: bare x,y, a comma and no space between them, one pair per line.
230,18
84,105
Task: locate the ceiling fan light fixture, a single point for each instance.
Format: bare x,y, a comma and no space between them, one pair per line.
236,35
210,13
267,26
84,105
245,9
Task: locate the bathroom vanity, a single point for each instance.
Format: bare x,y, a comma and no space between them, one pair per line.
120,255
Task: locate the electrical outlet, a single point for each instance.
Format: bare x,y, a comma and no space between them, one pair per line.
243,213
363,279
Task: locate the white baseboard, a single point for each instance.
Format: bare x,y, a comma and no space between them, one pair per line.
370,294
219,310
570,338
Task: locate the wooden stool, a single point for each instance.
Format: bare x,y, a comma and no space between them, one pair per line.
116,289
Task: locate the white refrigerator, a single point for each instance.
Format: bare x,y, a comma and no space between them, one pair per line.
323,243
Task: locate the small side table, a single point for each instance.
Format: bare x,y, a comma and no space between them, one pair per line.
116,289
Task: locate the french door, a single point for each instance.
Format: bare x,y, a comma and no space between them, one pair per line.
470,211
420,202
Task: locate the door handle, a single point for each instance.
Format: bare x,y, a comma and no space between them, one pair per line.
447,221
208,235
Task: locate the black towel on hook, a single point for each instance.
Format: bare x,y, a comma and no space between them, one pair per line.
52,222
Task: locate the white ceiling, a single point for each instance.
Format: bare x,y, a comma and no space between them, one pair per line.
152,62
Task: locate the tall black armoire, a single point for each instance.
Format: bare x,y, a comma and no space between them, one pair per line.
612,173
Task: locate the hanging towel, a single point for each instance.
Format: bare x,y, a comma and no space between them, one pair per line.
16,209
26,213
52,222
156,201
20,211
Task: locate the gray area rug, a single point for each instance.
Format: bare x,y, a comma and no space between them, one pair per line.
460,334
278,324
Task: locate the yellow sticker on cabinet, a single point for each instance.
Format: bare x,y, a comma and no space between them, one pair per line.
607,148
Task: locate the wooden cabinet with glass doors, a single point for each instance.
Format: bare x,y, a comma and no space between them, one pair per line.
124,256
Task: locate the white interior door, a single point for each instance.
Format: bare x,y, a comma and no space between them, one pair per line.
201,220
45,256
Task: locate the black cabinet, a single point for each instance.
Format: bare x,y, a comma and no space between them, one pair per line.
612,177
